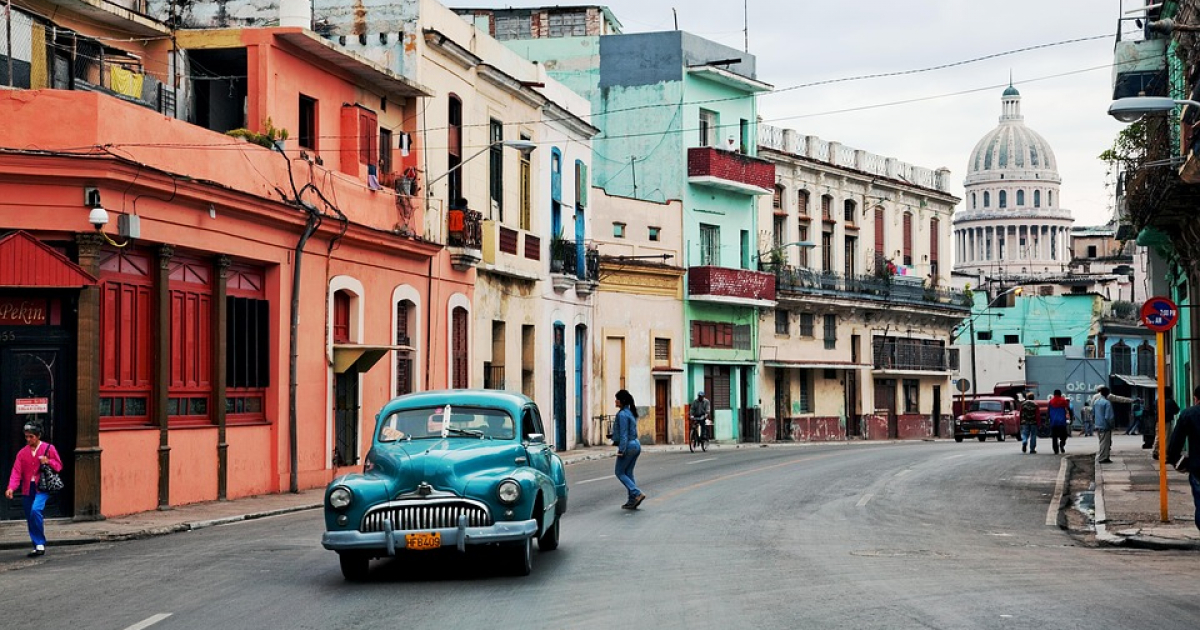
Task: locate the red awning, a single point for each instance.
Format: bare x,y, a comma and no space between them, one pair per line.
30,263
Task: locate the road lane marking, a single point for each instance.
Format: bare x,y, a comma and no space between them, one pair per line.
956,456
591,480
149,621
865,498
903,472
697,461
1052,511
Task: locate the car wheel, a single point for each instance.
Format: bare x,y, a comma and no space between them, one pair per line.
354,566
1000,436
548,541
958,438
522,557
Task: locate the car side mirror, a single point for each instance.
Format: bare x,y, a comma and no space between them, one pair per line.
536,438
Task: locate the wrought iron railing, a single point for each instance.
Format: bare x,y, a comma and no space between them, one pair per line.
871,287
564,258
493,376
465,228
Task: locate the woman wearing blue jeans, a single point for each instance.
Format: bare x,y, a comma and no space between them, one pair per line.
25,474
625,434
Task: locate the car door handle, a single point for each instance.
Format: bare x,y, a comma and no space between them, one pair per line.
521,460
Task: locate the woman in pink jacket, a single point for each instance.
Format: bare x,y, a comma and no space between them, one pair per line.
25,473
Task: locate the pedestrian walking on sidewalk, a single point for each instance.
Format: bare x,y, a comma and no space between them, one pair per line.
1135,414
1172,408
1029,424
25,474
1059,411
625,434
1086,414
1102,409
1187,430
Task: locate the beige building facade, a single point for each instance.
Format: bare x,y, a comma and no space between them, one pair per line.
857,346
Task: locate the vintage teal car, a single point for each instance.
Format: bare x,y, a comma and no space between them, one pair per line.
453,468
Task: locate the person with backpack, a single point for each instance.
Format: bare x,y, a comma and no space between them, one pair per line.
1029,424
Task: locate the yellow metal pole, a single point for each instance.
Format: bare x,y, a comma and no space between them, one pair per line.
1162,427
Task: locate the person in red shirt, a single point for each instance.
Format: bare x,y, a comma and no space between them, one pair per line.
1060,421
25,473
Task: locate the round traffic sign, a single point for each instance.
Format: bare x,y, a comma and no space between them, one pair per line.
964,385
1160,314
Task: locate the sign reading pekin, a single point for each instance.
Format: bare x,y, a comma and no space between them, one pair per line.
22,312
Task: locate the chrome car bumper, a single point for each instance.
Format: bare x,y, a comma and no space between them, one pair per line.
389,540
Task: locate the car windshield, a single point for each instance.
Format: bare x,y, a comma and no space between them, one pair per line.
986,405
430,422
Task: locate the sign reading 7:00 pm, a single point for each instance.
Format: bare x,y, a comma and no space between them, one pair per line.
1160,314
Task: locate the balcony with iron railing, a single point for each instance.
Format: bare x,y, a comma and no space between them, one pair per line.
909,355
726,285
464,237
795,282
729,170
493,376
574,264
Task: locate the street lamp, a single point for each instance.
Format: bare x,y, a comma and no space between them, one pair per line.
1132,109
524,146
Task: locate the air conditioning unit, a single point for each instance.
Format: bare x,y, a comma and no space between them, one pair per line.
1139,68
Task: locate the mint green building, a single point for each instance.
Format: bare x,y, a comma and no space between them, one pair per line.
679,120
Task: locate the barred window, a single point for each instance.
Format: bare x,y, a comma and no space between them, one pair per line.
781,322
662,351
806,324
742,337
830,332
1122,359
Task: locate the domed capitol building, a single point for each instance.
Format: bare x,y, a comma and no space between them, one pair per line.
1011,226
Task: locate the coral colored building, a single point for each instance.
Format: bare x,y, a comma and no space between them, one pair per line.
161,349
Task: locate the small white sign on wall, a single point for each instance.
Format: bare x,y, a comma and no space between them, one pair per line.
32,405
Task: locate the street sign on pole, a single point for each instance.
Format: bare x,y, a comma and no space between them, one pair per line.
1160,314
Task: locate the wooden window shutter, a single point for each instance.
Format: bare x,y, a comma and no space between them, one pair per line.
368,137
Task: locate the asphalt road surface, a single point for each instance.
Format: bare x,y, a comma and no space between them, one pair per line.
913,535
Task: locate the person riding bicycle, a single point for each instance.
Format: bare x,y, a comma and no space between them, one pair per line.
702,415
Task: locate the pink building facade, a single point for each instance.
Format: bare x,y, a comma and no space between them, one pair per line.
233,326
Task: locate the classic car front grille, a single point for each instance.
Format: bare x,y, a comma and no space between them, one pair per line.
425,515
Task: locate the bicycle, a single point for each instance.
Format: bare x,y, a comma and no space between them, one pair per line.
698,437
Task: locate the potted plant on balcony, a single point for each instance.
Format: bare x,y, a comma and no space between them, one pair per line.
272,137
558,253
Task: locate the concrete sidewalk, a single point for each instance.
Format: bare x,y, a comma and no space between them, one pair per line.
1128,499
14,535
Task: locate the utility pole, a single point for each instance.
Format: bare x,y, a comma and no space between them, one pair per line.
971,331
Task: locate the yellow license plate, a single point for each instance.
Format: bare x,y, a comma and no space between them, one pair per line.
974,431
421,542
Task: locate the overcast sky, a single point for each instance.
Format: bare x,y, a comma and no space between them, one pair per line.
1065,89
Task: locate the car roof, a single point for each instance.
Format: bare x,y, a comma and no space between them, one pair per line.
511,401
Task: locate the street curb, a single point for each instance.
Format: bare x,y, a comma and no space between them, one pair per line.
1101,518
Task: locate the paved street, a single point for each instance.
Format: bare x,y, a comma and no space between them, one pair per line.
911,535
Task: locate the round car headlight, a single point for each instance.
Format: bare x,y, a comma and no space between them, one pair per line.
340,497
508,491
